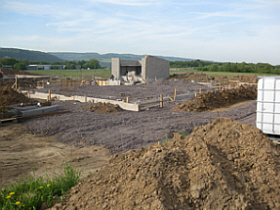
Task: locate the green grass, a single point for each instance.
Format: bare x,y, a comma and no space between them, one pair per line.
34,192
74,73
165,139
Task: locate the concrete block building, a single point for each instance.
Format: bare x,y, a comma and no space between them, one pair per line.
147,69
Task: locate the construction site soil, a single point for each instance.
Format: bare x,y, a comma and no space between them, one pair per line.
222,165
23,154
218,80
134,92
128,130
22,83
218,98
105,108
8,96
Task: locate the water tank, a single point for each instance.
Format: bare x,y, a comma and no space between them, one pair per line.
268,105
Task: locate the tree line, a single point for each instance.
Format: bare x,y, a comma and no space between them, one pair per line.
227,67
21,64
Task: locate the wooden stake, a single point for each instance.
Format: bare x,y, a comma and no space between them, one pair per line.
16,83
161,101
85,98
73,98
127,99
175,94
199,90
49,97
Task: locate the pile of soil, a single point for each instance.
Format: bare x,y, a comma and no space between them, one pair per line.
9,72
8,96
25,83
105,108
218,98
198,77
246,78
222,165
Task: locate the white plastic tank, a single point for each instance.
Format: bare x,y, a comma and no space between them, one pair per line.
268,105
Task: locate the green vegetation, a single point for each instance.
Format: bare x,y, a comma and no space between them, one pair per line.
74,73
22,64
206,66
165,139
34,192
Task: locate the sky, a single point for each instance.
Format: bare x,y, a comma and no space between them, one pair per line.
218,30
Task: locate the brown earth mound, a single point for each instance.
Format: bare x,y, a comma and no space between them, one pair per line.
25,83
198,77
218,98
222,165
8,96
247,78
105,108
9,72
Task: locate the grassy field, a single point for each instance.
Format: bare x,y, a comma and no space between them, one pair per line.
77,74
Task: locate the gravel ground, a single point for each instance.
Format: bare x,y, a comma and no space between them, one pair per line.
134,92
128,130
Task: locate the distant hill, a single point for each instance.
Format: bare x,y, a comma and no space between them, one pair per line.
28,54
105,59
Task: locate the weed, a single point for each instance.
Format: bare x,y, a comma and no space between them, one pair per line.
165,139
33,192
183,133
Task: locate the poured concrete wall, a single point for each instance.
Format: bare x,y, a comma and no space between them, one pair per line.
116,66
156,68
148,68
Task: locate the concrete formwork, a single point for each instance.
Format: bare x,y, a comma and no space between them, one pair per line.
126,106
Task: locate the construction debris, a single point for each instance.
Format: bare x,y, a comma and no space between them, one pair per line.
218,98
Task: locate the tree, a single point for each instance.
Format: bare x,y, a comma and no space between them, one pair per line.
20,66
92,64
214,67
6,61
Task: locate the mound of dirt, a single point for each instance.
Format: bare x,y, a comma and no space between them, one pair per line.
198,77
218,98
105,108
8,96
25,83
222,165
247,78
9,72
